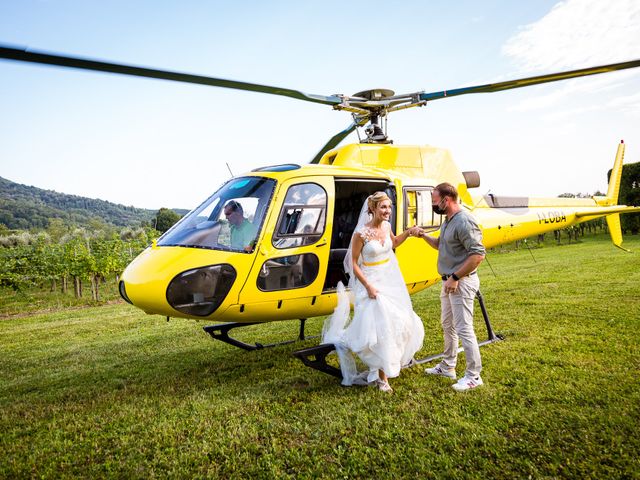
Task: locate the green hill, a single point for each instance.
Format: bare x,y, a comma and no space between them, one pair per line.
26,207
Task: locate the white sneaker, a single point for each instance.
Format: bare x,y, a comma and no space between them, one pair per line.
467,383
442,371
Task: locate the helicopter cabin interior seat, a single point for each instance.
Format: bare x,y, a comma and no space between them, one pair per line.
350,194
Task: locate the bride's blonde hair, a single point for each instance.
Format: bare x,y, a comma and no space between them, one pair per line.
375,199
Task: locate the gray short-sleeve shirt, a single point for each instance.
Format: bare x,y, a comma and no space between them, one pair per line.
459,237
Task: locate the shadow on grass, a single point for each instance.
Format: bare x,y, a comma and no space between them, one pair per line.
176,364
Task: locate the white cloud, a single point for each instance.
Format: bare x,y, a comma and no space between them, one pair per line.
578,33
626,100
564,114
629,104
590,85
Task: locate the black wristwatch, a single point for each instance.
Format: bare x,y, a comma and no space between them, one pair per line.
455,277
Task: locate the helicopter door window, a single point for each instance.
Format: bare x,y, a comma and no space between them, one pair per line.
303,216
285,273
418,210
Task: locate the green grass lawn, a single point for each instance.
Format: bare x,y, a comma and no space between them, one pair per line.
107,391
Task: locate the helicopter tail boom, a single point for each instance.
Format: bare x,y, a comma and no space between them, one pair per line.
521,217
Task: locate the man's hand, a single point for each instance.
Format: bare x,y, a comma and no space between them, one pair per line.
451,285
416,231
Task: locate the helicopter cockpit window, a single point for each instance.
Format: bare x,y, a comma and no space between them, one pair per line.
303,216
418,210
230,219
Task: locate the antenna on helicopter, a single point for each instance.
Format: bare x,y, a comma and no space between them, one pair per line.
530,251
486,259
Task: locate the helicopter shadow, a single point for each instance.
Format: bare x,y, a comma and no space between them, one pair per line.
187,366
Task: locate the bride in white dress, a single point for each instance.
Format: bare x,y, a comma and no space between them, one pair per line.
385,332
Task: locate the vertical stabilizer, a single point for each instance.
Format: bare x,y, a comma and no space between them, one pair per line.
616,175
613,220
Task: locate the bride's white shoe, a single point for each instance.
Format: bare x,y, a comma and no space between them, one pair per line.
384,386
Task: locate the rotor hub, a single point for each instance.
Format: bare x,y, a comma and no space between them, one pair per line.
375,94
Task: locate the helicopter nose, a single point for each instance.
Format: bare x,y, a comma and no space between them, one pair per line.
183,282
200,291
195,292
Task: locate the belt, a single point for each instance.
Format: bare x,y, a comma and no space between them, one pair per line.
371,264
445,276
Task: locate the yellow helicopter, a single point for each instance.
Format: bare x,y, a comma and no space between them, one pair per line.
270,244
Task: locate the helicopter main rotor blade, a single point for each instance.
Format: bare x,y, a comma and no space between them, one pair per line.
337,138
23,55
529,81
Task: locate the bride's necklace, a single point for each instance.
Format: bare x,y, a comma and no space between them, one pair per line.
373,233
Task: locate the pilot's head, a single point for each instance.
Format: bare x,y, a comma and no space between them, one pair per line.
234,213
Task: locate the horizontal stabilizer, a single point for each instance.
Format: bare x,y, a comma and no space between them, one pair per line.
598,212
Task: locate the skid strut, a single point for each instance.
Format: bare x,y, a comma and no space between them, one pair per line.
316,357
221,332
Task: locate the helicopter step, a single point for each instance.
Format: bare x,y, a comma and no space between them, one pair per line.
221,332
316,357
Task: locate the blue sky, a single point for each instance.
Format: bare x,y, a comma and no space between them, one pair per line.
150,143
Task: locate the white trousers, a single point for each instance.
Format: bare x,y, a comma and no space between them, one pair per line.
457,322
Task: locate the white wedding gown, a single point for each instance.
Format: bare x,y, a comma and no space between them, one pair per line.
385,332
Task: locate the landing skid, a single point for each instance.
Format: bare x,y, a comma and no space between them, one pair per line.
221,332
316,357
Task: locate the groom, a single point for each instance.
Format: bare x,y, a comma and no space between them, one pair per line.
460,251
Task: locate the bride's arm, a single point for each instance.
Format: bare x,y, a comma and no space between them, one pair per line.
398,239
356,249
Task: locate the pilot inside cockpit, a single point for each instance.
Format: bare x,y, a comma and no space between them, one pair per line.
243,232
